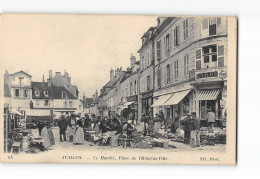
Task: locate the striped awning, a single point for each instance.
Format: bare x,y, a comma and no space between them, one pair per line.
208,94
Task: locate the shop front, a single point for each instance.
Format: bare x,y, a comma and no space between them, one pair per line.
175,104
210,88
147,102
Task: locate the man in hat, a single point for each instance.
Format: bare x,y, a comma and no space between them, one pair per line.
195,129
186,122
211,120
62,124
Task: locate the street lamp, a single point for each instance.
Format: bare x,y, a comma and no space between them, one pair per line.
222,75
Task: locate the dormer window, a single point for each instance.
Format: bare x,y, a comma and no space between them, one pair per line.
46,93
37,92
63,95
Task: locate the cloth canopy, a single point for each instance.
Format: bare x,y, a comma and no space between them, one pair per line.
177,97
208,94
128,103
13,111
161,100
37,112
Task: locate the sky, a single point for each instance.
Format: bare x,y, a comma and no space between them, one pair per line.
86,46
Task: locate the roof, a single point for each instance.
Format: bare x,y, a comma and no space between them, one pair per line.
55,92
22,72
7,92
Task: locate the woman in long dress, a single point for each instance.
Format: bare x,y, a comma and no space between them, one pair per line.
48,137
79,134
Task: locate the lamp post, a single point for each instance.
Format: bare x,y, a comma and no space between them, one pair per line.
222,75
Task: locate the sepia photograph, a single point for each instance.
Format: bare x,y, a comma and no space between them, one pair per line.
142,89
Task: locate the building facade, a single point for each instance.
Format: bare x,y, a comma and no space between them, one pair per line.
190,55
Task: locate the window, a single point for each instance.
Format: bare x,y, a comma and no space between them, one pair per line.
17,92
159,77
158,50
13,78
143,62
135,87
37,93
46,102
175,36
198,59
212,26
25,93
176,70
148,83
46,93
63,95
148,58
167,43
168,73
65,104
37,102
186,65
218,21
185,29
70,104
210,55
131,89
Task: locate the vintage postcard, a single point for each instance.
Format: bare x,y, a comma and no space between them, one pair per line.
126,89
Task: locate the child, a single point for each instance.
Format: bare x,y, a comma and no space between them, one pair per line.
70,133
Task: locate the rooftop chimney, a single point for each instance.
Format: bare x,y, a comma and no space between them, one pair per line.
132,61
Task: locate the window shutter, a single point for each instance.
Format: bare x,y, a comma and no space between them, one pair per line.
164,40
170,40
164,75
221,61
205,26
198,54
172,71
198,64
221,56
177,35
218,20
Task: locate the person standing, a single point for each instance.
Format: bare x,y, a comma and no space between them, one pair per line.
156,124
211,120
196,129
144,125
186,122
62,124
47,134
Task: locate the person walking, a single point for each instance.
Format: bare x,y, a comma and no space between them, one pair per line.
62,124
211,120
186,122
195,129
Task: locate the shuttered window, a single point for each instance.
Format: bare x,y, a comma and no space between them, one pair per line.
176,70
175,36
186,65
158,50
185,29
159,77
168,68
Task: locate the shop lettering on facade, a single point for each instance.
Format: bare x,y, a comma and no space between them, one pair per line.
207,74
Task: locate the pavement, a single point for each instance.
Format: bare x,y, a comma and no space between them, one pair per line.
66,145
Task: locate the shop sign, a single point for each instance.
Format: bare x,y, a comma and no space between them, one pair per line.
207,74
131,98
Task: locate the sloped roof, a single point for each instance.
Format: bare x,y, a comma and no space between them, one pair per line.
22,72
55,92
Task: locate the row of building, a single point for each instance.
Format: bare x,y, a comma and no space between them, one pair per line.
45,99
182,69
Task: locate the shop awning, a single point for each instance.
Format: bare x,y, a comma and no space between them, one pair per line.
13,111
37,112
208,94
176,98
161,100
128,103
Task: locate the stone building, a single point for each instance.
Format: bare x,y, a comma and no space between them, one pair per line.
190,55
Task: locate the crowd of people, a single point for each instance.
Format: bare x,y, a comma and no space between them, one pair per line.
73,127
